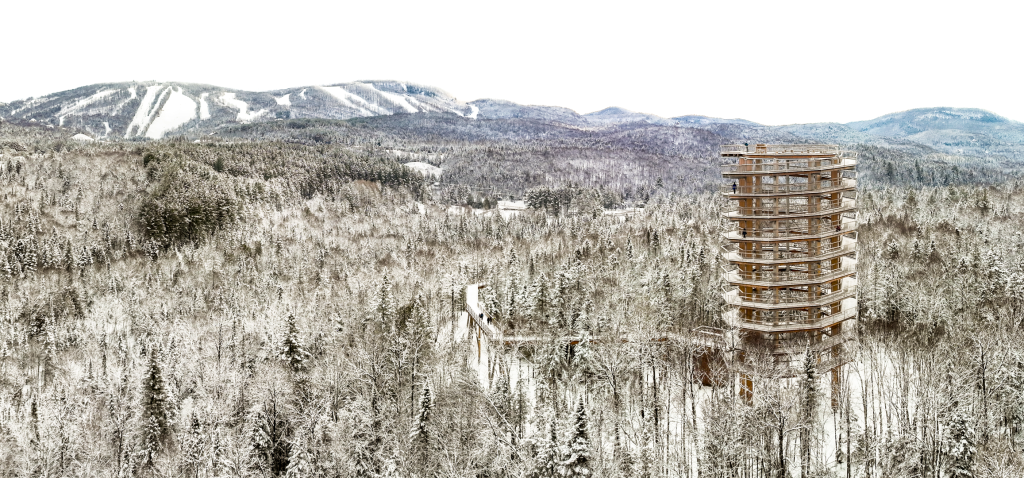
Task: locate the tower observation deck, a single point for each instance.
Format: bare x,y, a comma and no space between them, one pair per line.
790,251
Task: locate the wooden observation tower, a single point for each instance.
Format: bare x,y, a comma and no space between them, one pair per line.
791,246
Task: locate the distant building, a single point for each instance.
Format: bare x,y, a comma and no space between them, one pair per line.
790,250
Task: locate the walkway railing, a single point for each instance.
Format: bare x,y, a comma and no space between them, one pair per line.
781,148
787,253
735,232
703,336
782,298
825,343
824,206
772,278
820,187
790,324
801,165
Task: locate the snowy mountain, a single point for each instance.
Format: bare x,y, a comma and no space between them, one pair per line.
911,122
153,110
952,130
501,109
703,120
616,115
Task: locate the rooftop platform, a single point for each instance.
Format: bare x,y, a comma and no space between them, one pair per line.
776,149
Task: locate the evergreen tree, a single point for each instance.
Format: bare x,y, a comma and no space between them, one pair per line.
270,437
546,464
808,411
501,400
300,463
539,297
387,308
644,464
960,446
292,349
514,298
419,434
155,419
578,463
192,447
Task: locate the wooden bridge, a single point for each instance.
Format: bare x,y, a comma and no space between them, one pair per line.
708,344
711,347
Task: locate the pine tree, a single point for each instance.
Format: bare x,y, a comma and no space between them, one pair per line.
960,446
155,420
387,309
270,437
808,411
500,397
539,296
644,464
420,435
514,298
300,463
578,463
546,464
192,447
292,349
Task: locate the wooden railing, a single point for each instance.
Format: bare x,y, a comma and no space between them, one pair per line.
825,343
792,324
736,232
778,278
800,165
824,206
704,336
787,253
783,297
781,148
821,186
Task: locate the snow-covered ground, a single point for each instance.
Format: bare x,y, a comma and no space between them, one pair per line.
178,110
458,210
396,99
427,170
284,100
143,115
244,115
131,96
83,138
302,94
415,156
204,107
81,104
354,101
473,111
507,209
629,211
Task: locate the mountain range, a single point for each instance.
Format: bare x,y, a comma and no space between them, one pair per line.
154,110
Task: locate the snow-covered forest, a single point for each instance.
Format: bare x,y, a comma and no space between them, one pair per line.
288,306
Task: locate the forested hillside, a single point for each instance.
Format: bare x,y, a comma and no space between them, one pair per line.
281,299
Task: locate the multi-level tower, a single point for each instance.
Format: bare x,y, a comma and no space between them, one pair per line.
790,253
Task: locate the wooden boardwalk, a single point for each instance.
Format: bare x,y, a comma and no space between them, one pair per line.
486,328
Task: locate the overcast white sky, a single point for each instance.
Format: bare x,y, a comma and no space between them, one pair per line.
768,61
